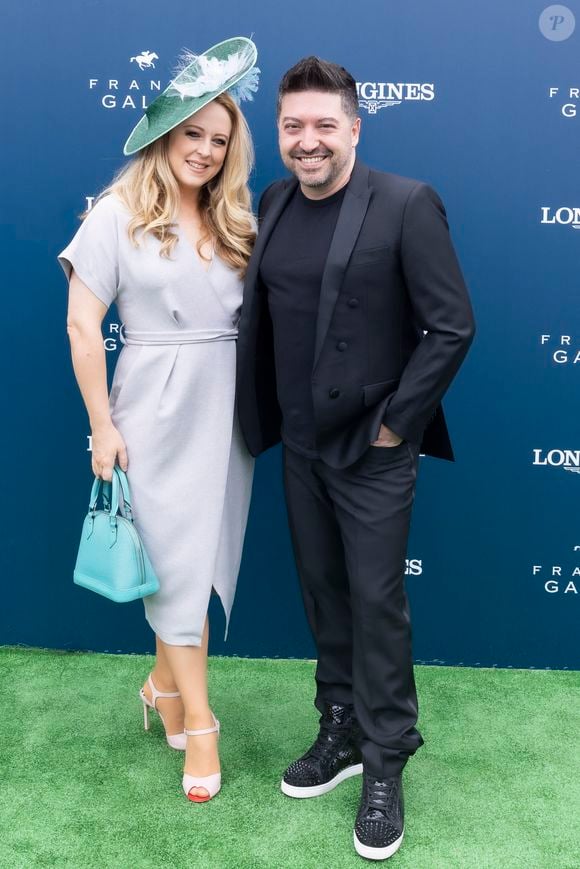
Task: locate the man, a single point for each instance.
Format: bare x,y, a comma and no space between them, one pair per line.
355,321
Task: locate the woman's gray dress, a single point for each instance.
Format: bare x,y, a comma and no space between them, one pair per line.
172,399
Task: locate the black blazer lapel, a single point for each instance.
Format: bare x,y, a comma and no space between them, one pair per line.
350,219
264,232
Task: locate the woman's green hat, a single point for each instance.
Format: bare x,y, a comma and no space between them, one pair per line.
228,66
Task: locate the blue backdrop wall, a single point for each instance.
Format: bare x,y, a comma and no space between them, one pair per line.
494,559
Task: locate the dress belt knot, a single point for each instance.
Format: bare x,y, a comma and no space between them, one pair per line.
178,336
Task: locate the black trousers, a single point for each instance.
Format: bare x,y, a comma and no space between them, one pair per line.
349,531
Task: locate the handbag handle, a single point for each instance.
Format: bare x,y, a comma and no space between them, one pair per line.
111,494
122,477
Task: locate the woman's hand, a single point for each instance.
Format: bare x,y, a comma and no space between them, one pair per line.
108,448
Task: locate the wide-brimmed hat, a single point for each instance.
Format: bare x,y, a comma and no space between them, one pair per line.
228,66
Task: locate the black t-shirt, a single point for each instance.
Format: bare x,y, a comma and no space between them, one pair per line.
291,271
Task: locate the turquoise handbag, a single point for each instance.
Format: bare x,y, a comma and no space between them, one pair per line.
111,559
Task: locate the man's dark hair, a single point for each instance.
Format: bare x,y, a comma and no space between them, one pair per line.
314,74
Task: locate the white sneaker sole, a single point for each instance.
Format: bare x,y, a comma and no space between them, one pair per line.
318,790
377,853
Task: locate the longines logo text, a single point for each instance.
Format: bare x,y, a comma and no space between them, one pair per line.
565,216
567,459
558,579
375,95
561,349
128,92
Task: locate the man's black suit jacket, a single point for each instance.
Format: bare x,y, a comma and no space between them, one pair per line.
393,292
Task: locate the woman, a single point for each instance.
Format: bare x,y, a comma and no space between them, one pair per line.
169,241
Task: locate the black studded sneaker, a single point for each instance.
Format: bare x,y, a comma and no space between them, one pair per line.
332,758
379,826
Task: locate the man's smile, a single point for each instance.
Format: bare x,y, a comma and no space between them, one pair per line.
311,161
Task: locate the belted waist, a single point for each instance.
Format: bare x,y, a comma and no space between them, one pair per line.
178,336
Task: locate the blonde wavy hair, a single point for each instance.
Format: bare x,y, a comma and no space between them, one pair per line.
148,188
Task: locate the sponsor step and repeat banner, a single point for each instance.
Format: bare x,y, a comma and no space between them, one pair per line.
482,105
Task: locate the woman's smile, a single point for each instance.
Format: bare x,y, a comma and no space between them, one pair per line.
197,167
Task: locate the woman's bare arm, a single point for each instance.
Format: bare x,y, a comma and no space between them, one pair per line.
84,318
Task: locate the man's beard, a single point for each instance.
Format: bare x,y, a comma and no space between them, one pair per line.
334,169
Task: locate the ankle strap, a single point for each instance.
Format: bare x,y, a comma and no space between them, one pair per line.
155,694
214,729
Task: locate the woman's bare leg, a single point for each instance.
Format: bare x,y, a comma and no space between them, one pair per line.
171,708
188,665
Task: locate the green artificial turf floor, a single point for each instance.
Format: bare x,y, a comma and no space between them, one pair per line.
496,785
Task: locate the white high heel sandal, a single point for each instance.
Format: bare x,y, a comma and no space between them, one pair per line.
174,740
210,783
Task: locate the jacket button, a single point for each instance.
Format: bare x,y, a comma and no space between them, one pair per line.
353,303
342,345
334,393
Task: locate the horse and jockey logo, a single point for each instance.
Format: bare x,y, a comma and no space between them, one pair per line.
145,59
129,91
372,106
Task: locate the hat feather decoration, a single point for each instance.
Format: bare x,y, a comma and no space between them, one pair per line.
247,86
188,81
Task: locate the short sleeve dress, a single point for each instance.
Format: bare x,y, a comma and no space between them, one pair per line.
172,399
